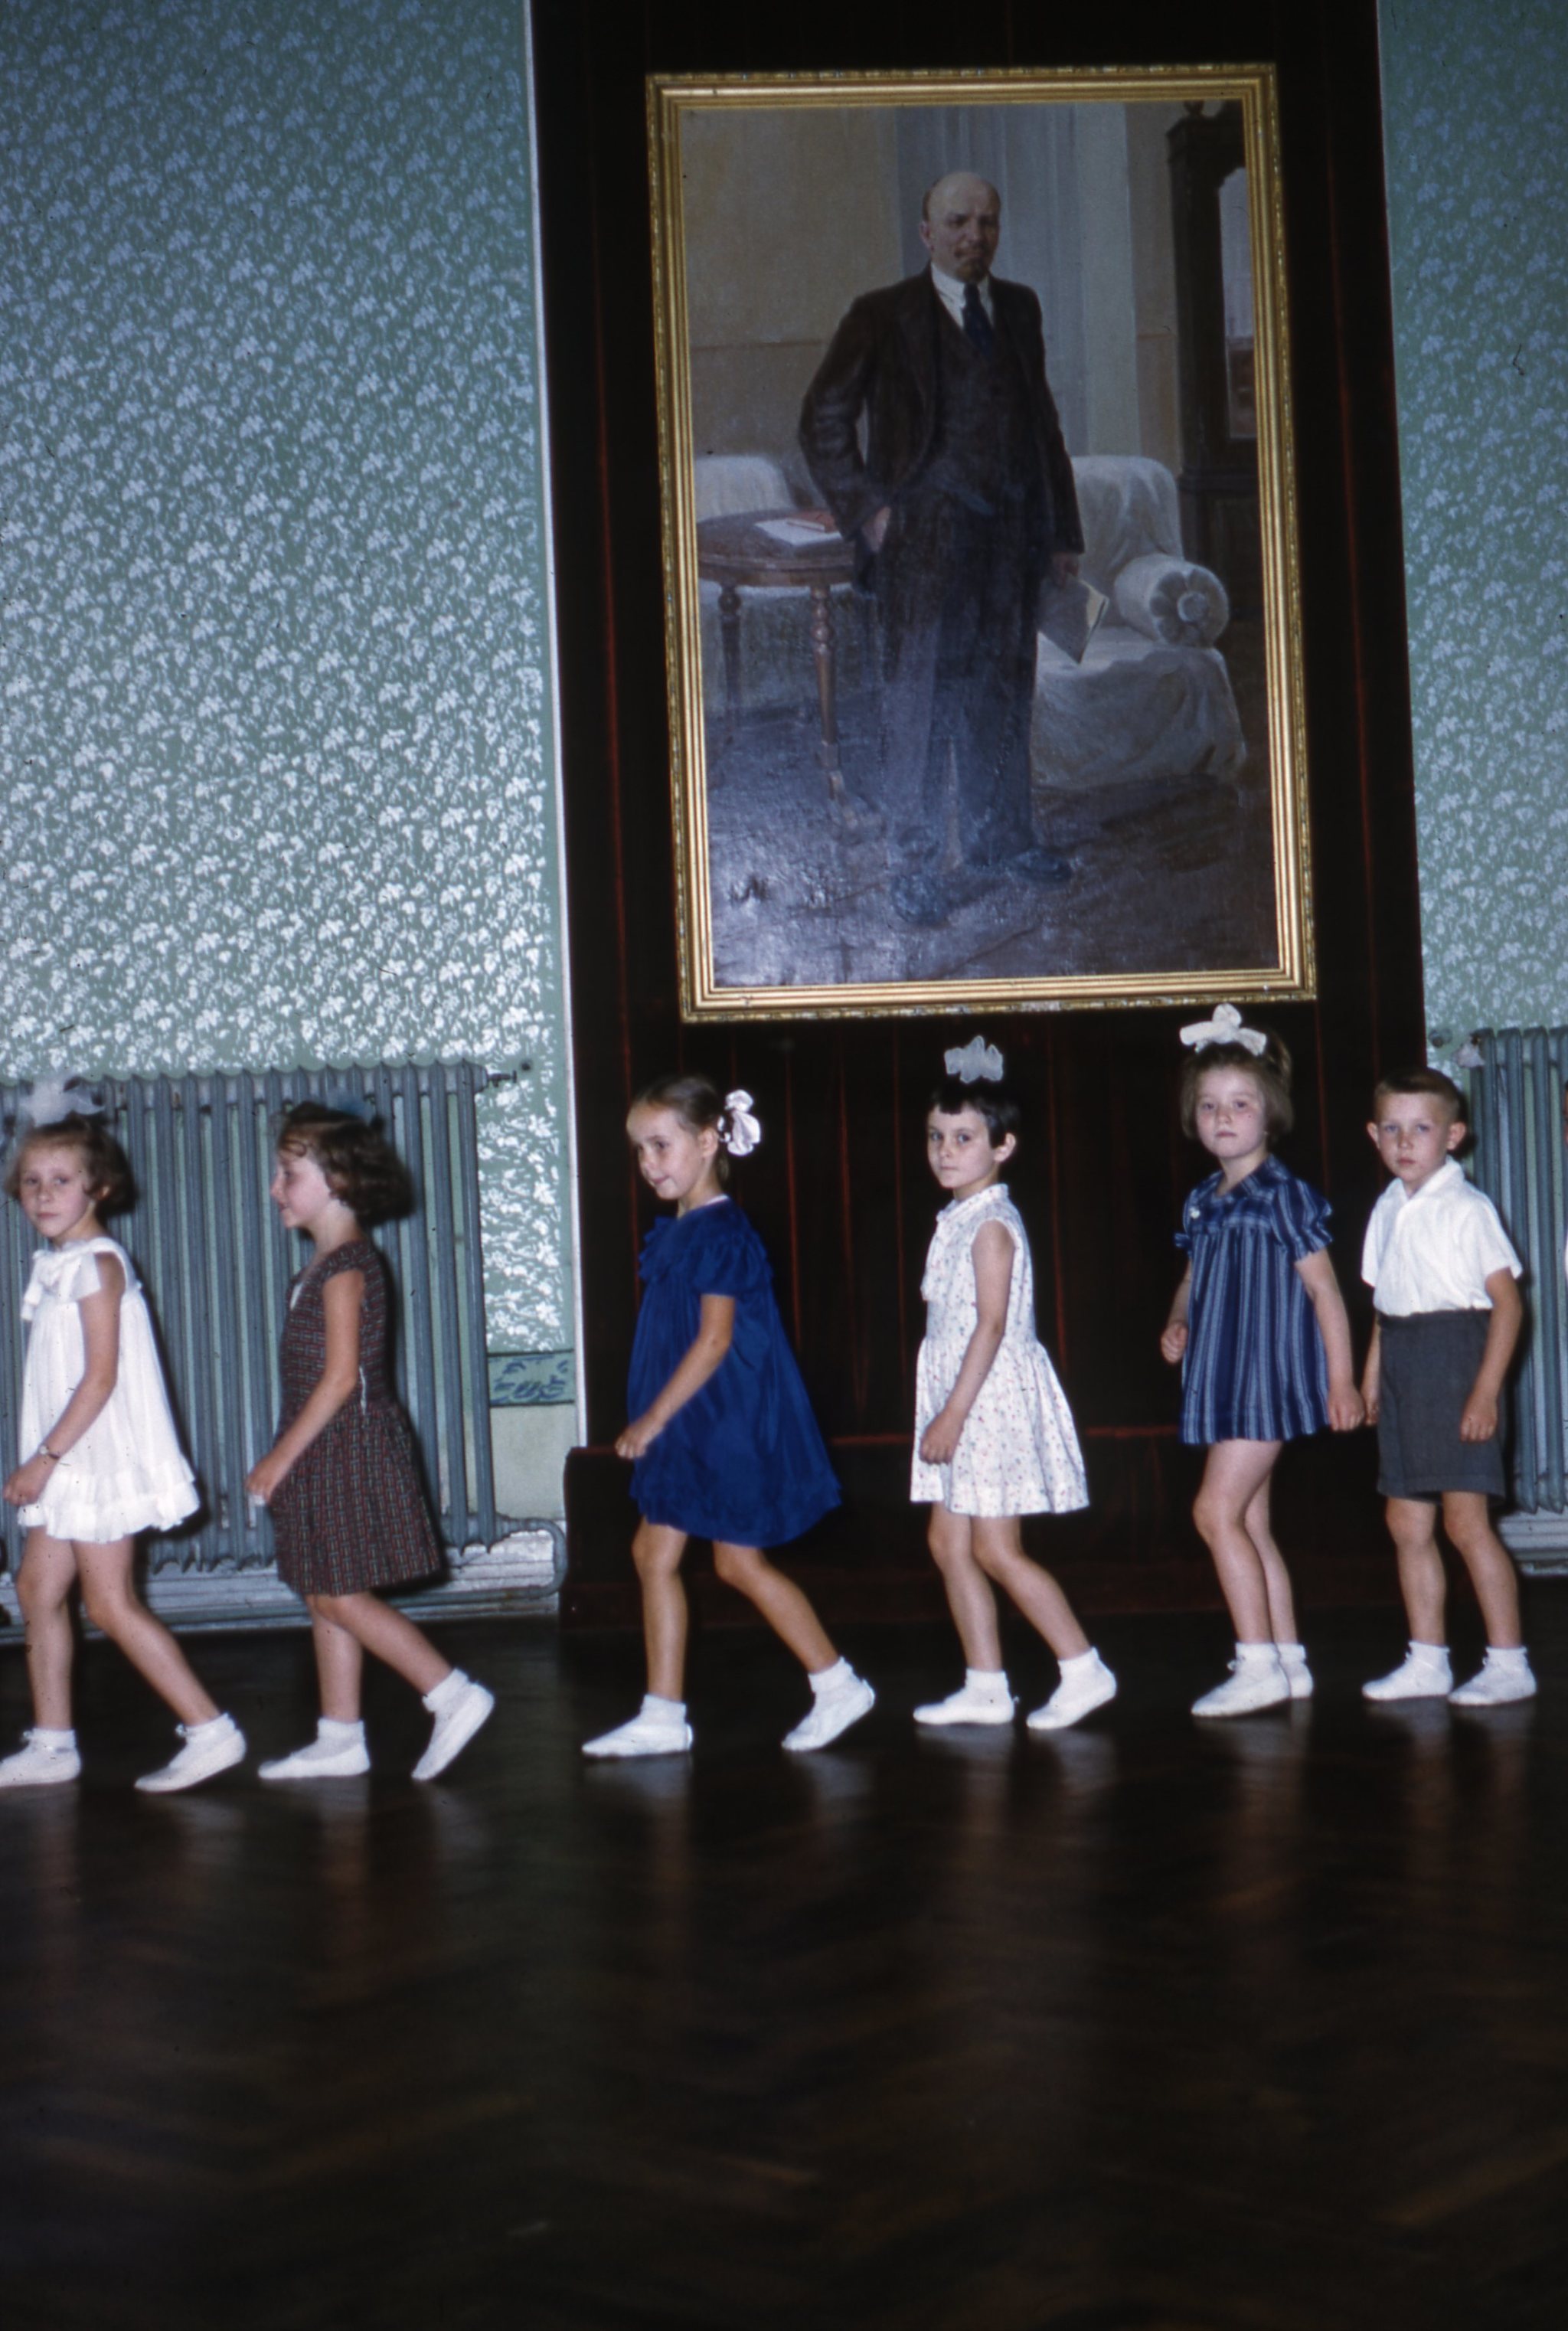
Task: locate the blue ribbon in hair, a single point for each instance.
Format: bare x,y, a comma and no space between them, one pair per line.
344,1103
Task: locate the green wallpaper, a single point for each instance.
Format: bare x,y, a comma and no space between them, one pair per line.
273,706
1476,111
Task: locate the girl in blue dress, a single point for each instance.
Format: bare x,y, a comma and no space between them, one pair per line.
722,1439
1259,1325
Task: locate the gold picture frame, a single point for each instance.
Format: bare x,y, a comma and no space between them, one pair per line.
821,870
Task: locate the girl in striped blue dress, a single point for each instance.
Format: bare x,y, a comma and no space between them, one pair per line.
1259,1325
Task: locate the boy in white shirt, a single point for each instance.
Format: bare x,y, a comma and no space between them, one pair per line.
1449,1314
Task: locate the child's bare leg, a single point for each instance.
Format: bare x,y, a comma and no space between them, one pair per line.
998,1547
1412,1524
656,1550
376,1628
339,1666
1276,1577
780,1601
1469,1523
969,1595
110,1601
43,1586
1235,1472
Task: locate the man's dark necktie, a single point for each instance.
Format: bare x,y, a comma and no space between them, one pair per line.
977,324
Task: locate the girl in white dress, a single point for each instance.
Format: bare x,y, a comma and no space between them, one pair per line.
994,1435
100,1457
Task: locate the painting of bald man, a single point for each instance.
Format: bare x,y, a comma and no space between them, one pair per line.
977,546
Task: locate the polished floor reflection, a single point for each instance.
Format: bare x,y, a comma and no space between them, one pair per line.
1148,2027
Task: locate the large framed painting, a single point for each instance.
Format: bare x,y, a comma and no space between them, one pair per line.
980,542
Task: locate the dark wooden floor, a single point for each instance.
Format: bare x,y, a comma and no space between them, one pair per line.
1147,2028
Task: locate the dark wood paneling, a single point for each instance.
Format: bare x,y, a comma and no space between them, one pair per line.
839,1189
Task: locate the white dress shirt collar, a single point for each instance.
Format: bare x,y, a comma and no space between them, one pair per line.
1449,1172
950,291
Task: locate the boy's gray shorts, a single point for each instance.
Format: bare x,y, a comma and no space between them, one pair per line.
1428,1367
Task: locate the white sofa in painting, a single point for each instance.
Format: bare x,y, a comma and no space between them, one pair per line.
1152,697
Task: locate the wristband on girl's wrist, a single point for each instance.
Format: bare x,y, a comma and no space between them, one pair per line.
45,1451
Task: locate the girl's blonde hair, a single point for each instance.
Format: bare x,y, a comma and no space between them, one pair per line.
1269,1070
105,1167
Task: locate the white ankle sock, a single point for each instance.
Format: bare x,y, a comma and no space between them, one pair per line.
1081,1664
668,1711
1291,1650
1257,1654
1514,1657
992,1680
1435,1653
340,1733
44,1736
833,1678
200,1731
445,1691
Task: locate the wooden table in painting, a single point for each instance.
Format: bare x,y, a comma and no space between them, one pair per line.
739,554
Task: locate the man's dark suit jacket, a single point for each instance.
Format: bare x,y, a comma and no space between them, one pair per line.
883,360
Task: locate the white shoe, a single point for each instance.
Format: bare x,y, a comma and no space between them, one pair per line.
1260,1681
210,1747
37,1765
972,1703
321,1760
1298,1674
1075,1696
1503,1676
455,1727
832,1712
647,1735
1423,1673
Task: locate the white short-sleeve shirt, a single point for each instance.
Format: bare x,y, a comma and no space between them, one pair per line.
1435,1251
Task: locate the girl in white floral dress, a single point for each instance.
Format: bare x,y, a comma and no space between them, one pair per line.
994,1435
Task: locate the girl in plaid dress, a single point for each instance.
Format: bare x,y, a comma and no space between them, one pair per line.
340,1482
1259,1327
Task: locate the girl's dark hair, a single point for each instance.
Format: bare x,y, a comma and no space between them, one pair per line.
996,1103
1270,1070
360,1164
104,1161
699,1104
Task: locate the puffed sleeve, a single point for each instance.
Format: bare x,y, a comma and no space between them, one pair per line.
348,1257
1301,1216
67,1273
727,1256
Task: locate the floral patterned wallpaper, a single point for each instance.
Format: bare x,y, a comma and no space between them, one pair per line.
1476,116
273,706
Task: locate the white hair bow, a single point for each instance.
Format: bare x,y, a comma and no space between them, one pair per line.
740,1131
975,1063
53,1097
1225,1028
